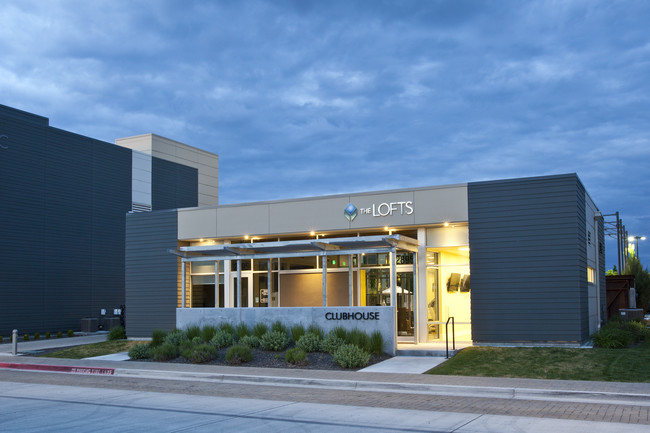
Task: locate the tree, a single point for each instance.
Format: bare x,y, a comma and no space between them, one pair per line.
612,271
641,281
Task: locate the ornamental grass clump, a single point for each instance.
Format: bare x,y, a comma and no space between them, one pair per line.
297,331
250,341
165,352
139,351
278,326
157,338
238,354
351,356
331,343
260,329
193,332
617,334
48,335
376,343
359,339
242,330
296,356
315,329
340,332
117,333
37,336
222,338
200,353
59,334
227,327
208,331
309,342
274,340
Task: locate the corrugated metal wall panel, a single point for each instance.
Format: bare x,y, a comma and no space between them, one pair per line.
151,272
173,185
528,260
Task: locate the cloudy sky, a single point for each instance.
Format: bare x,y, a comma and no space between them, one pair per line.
304,98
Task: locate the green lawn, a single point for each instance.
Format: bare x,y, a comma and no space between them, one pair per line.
96,349
620,365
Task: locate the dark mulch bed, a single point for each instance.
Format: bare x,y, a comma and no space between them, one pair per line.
269,359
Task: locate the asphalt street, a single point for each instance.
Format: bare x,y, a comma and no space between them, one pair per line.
36,407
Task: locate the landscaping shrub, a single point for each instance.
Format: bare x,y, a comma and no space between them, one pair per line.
59,334
157,337
175,338
70,333
193,332
37,336
279,327
296,356
359,339
208,332
297,331
376,343
260,329
197,340
618,334
139,351
242,330
225,326
351,356
274,340
315,329
0,338
238,354
222,338
26,337
165,352
331,343
309,342
117,333
47,335
250,341
200,353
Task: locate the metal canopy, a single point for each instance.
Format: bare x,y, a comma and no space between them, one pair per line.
301,248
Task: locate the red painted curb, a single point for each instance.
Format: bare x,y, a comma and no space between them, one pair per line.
59,368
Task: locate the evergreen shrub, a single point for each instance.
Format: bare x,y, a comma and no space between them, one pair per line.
351,356
222,338
139,351
250,341
274,340
165,352
331,343
117,333
309,342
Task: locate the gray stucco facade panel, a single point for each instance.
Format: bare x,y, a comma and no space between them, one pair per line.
528,260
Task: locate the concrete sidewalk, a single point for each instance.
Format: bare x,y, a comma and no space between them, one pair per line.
637,394
26,347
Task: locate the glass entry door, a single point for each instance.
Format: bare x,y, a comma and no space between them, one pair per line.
405,307
246,290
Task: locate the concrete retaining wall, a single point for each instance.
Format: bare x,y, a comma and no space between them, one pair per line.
368,319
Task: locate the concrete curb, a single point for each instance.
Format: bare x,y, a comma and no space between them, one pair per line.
395,387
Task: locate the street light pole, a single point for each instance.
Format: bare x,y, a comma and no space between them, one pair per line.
636,246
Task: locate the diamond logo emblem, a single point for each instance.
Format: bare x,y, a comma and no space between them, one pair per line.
350,212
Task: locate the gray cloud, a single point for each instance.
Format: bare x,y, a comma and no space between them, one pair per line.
307,98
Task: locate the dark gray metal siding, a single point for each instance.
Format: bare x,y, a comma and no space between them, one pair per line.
528,260
151,272
173,185
63,198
